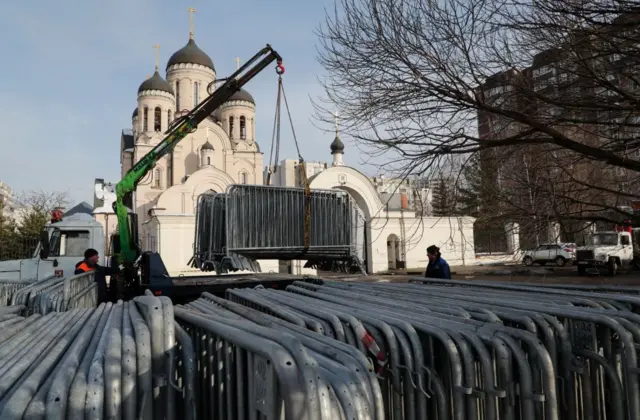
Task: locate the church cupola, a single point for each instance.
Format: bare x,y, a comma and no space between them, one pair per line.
156,102
206,155
238,115
337,147
190,71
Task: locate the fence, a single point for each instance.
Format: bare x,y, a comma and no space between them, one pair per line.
16,248
440,350
252,222
126,361
489,239
324,350
52,294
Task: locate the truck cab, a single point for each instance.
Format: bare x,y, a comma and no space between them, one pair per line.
61,247
611,250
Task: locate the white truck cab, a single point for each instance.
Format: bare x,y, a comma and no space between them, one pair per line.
62,245
611,250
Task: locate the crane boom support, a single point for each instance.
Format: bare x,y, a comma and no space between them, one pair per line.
180,129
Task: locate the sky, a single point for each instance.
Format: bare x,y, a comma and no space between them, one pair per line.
71,70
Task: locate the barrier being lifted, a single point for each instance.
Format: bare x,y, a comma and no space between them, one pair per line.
252,222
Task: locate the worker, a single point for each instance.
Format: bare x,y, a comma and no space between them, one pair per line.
438,268
90,263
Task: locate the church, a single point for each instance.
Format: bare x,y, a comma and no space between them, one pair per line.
223,150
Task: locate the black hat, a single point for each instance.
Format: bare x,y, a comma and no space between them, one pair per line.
90,253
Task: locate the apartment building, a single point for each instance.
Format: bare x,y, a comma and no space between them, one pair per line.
585,89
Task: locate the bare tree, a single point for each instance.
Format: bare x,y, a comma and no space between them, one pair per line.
546,93
43,201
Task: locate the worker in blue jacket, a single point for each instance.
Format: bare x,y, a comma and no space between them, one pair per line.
438,268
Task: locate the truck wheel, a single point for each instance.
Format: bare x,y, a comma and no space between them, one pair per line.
582,270
560,261
613,267
528,261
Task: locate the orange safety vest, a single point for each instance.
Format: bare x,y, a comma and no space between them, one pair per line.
84,267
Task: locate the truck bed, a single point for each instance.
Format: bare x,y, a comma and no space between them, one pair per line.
185,289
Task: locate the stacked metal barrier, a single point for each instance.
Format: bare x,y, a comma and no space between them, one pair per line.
455,350
264,367
126,361
252,222
55,294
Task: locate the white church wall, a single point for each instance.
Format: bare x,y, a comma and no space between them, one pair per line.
454,237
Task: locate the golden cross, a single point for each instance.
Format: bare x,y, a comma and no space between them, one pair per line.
191,11
237,63
157,48
335,118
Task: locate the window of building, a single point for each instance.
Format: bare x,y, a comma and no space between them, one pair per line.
243,128
157,116
208,160
157,178
69,243
169,117
243,178
145,117
195,94
231,127
177,96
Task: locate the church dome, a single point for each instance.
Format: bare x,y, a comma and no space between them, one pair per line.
242,95
207,146
337,146
156,82
217,115
191,54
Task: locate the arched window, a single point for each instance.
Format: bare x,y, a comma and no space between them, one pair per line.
157,178
157,115
177,96
208,160
243,178
195,94
231,127
168,117
145,117
243,128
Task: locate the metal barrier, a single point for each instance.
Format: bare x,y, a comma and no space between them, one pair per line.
252,222
9,287
210,238
116,361
265,367
463,350
56,294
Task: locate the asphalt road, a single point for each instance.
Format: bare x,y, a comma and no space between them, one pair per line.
567,275
517,273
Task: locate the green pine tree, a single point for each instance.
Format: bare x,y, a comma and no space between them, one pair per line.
443,199
470,188
9,237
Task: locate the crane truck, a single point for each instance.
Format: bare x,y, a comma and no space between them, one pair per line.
145,270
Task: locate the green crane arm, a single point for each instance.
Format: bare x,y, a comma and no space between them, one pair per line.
179,130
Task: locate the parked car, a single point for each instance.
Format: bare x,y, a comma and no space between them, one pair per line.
559,254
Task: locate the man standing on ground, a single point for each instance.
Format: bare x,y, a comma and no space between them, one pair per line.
438,268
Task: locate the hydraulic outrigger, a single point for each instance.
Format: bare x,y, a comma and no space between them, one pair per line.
129,253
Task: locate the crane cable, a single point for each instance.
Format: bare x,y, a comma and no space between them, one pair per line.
273,159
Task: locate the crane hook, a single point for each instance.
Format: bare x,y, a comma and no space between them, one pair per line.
279,68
